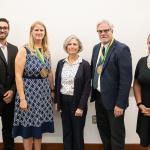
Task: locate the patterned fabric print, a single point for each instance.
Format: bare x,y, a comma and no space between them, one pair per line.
68,75
33,66
37,93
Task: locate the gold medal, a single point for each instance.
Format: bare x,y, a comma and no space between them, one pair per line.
99,69
44,73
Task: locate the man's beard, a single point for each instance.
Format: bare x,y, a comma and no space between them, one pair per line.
3,37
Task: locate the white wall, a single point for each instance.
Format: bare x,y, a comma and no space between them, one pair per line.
65,17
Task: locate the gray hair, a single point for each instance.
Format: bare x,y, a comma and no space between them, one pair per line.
107,22
69,38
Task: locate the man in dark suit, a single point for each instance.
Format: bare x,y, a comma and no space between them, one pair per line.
7,84
111,80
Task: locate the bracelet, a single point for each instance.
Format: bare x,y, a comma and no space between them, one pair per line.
138,104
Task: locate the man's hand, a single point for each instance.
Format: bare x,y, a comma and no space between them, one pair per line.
79,112
118,111
8,96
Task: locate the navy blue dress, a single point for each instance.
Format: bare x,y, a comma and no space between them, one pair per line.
38,118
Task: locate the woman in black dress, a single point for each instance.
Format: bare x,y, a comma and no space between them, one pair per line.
141,89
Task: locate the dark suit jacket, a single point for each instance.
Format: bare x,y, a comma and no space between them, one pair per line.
81,85
7,70
116,76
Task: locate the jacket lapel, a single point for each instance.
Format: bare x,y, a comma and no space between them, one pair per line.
9,54
2,57
96,55
60,67
108,55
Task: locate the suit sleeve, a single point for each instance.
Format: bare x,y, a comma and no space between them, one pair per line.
56,84
92,76
125,76
86,88
13,85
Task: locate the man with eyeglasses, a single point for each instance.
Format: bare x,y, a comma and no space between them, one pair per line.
111,68
7,84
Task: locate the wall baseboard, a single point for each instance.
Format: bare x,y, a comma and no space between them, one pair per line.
59,146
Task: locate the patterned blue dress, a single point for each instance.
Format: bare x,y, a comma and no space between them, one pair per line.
38,118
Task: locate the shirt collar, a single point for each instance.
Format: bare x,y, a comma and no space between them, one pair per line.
78,61
106,45
3,46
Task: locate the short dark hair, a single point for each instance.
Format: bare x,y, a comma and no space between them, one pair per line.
4,20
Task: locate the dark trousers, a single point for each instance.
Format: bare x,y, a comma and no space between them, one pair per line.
111,129
72,126
7,124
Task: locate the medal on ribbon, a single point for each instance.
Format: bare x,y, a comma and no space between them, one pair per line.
40,55
44,73
99,69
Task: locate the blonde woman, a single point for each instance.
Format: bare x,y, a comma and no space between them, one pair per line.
72,88
141,89
33,107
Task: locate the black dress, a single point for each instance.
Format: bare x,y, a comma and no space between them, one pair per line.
142,74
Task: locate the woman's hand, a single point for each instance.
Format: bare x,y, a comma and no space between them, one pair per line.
79,112
52,95
56,108
145,110
142,108
23,104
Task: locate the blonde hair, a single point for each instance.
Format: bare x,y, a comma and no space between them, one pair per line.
148,38
44,41
68,39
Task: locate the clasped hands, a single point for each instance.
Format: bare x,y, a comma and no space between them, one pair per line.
78,112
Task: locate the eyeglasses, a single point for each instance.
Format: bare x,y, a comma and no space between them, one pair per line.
3,28
105,31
